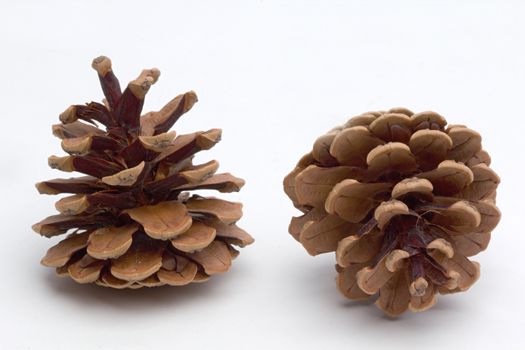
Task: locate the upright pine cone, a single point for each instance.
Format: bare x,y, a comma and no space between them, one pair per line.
134,222
402,200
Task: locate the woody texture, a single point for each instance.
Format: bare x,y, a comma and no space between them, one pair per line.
404,201
135,219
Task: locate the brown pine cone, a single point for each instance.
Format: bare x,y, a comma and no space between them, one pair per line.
402,200
134,222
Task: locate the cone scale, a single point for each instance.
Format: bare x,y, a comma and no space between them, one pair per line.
403,200
135,219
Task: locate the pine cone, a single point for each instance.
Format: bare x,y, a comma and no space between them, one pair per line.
402,200
132,218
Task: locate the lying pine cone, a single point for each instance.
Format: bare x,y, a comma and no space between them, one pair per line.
402,200
134,222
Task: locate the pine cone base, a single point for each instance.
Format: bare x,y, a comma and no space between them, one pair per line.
403,200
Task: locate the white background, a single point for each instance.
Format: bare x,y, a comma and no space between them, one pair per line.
274,75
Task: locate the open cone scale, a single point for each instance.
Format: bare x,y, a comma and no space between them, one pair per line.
403,200
133,218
